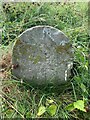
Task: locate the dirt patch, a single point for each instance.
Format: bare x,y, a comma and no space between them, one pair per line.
5,65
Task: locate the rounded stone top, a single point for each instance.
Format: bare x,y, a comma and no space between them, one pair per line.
42,55
32,35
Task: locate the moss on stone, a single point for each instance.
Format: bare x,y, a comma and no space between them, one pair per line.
62,48
37,59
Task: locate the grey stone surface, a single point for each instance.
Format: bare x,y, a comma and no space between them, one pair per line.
42,55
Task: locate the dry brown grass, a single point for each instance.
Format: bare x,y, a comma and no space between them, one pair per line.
5,65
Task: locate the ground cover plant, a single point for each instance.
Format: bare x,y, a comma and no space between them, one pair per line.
20,100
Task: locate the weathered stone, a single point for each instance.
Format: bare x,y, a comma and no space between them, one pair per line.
42,55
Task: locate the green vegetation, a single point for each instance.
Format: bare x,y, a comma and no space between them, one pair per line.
20,100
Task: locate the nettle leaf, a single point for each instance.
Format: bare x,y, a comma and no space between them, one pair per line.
70,107
41,110
52,110
79,105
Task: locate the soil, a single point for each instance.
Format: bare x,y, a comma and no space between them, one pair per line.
5,65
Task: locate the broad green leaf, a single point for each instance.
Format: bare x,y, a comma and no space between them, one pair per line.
28,114
70,107
79,105
41,110
52,109
83,87
50,101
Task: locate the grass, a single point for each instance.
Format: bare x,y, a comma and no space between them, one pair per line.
20,100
